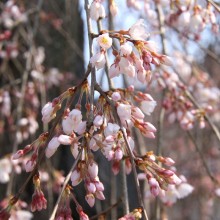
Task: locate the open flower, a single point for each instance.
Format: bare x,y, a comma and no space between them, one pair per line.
98,60
104,41
138,31
148,106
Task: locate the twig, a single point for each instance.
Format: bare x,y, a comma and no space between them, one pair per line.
207,51
212,177
212,125
214,5
124,188
93,72
107,210
160,17
52,217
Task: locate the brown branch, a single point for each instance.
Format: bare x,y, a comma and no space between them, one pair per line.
212,177
56,121
107,210
160,16
214,5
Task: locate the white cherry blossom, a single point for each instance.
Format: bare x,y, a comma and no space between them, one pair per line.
148,106
104,41
138,31
98,60
97,10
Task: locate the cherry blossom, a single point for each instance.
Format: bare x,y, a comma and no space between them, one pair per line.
104,41
97,10
138,31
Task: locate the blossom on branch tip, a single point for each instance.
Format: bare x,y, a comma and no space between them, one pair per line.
104,41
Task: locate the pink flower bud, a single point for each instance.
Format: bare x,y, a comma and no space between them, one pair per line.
110,155
90,199
91,187
149,127
98,121
29,166
99,186
116,96
154,186
99,195
75,178
17,155
118,154
167,173
169,161
93,170
47,112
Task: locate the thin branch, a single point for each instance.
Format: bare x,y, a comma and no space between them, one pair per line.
93,72
214,5
210,53
212,177
211,124
160,17
107,210
52,217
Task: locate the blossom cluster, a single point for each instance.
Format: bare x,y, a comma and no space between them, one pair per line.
106,124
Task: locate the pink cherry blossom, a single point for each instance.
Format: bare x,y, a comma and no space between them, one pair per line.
116,96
